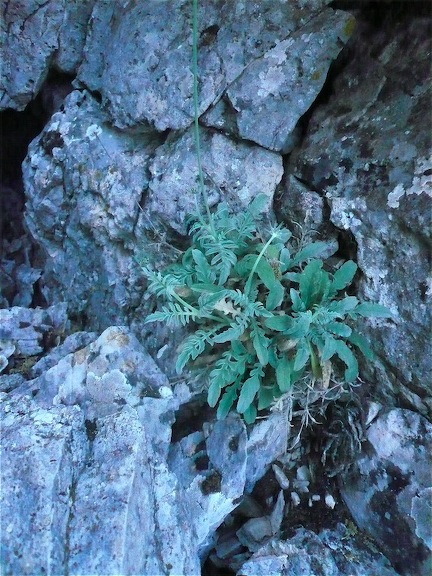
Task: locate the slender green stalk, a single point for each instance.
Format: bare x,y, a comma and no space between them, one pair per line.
196,112
260,255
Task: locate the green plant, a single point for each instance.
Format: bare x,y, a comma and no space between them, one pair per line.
270,314
271,321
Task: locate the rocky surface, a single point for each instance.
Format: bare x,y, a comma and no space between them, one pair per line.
366,156
101,488
389,490
110,462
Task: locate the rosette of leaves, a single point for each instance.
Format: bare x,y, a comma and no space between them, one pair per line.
269,314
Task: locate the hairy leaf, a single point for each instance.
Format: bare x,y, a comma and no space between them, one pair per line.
362,344
248,392
344,276
260,343
338,328
279,323
346,355
372,309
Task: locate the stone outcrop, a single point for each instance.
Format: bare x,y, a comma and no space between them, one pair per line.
111,463
389,490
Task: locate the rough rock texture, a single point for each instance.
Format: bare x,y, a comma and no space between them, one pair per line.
330,553
262,102
34,35
389,490
148,83
132,197
101,489
366,153
99,476
26,329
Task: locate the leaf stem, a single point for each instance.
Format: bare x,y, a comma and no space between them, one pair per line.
196,112
260,255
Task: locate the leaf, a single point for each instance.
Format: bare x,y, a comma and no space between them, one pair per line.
226,402
344,276
260,343
329,348
283,374
338,328
285,259
371,309
213,394
363,345
250,414
234,332
248,392
266,396
341,307
173,314
310,278
275,296
279,323
192,347
204,272
297,303
346,355
265,272
301,357
300,325
312,250
258,205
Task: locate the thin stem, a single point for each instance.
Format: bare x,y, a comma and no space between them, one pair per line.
260,255
196,112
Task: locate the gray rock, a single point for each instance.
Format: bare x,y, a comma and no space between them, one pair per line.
274,91
366,154
118,492
84,212
154,90
234,172
43,451
331,553
389,490
96,219
33,34
26,328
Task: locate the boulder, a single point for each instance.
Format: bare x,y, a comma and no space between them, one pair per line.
389,490
34,35
101,489
366,155
330,553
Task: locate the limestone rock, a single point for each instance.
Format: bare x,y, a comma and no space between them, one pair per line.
366,154
274,91
389,490
148,83
33,34
330,553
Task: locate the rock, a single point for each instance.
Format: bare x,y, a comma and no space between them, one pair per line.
84,214
154,91
234,172
389,490
42,454
331,553
28,329
274,91
366,154
33,34
126,205
119,490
